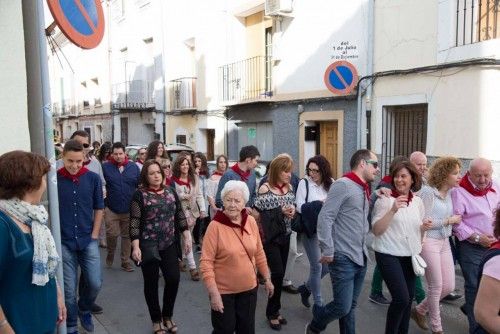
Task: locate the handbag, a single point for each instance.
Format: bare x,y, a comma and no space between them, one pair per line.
418,264
272,224
297,224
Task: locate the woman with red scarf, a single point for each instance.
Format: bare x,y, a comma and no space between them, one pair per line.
398,226
186,184
231,255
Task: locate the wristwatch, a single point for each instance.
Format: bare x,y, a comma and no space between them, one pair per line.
477,238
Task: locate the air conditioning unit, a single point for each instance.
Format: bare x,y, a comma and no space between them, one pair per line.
278,7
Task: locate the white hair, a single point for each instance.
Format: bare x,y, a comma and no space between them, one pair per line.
234,185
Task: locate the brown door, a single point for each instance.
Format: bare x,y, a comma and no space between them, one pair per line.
328,144
210,144
124,130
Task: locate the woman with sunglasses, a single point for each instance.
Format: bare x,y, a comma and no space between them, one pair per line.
311,194
166,166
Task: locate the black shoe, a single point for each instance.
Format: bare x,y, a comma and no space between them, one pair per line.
276,327
304,295
290,289
96,309
282,320
452,296
379,299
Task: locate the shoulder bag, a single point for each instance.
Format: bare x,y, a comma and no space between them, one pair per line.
297,225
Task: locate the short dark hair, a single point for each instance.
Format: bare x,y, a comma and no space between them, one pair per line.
415,175
325,170
21,172
117,145
249,152
72,146
358,156
397,159
104,151
143,179
80,133
204,165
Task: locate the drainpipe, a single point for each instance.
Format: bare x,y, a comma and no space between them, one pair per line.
163,76
39,112
363,111
369,90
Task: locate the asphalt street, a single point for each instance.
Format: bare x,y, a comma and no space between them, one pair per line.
125,309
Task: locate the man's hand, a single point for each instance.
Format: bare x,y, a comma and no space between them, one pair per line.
326,259
486,240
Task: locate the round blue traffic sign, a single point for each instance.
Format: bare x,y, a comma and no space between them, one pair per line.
341,77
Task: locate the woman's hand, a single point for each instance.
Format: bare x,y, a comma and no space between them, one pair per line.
203,214
400,202
216,302
61,307
288,210
269,287
455,219
188,244
137,254
426,225
383,192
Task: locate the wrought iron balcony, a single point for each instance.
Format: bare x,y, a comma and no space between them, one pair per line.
182,94
135,94
246,80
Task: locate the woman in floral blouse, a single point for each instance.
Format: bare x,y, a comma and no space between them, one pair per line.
156,221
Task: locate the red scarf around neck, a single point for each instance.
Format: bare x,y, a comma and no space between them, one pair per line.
467,185
281,187
217,173
181,183
243,175
118,164
86,163
395,194
140,161
387,179
74,178
221,217
495,245
353,177
156,191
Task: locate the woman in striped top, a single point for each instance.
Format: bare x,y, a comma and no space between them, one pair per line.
444,174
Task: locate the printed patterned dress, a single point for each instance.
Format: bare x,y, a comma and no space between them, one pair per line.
270,201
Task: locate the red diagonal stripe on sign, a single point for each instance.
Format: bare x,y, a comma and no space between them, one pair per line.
85,14
334,69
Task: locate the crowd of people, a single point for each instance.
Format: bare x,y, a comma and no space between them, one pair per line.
418,222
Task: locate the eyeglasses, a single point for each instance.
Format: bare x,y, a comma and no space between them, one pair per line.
373,163
312,170
85,145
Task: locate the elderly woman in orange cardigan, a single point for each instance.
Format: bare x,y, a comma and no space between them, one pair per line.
231,255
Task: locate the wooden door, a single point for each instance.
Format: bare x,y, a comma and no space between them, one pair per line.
124,130
328,144
210,144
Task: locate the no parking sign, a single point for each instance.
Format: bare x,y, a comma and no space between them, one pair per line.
81,21
341,77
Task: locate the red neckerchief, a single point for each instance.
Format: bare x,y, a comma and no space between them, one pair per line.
217,173
140,161
356,179
203,174
281,187
118,164
74,178
387,179
156,191
243,175
168,181
85,163
495,245
467,185
181,183
221,217
395,194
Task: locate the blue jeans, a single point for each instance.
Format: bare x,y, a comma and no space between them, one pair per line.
90,263
470,256
347,281
316,270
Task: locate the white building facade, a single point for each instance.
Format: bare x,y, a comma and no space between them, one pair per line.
445,102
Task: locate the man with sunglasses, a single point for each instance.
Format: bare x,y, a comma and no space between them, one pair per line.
93,165
342,230
141,157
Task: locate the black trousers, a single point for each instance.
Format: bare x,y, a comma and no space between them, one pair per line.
398,274
150,271
239,313
276,254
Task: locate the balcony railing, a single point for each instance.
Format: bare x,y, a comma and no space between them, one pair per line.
135,94
477,21
64,110
182,93
245,80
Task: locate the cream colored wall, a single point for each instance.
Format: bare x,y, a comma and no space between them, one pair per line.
463,113
405,34
14,133
256,25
